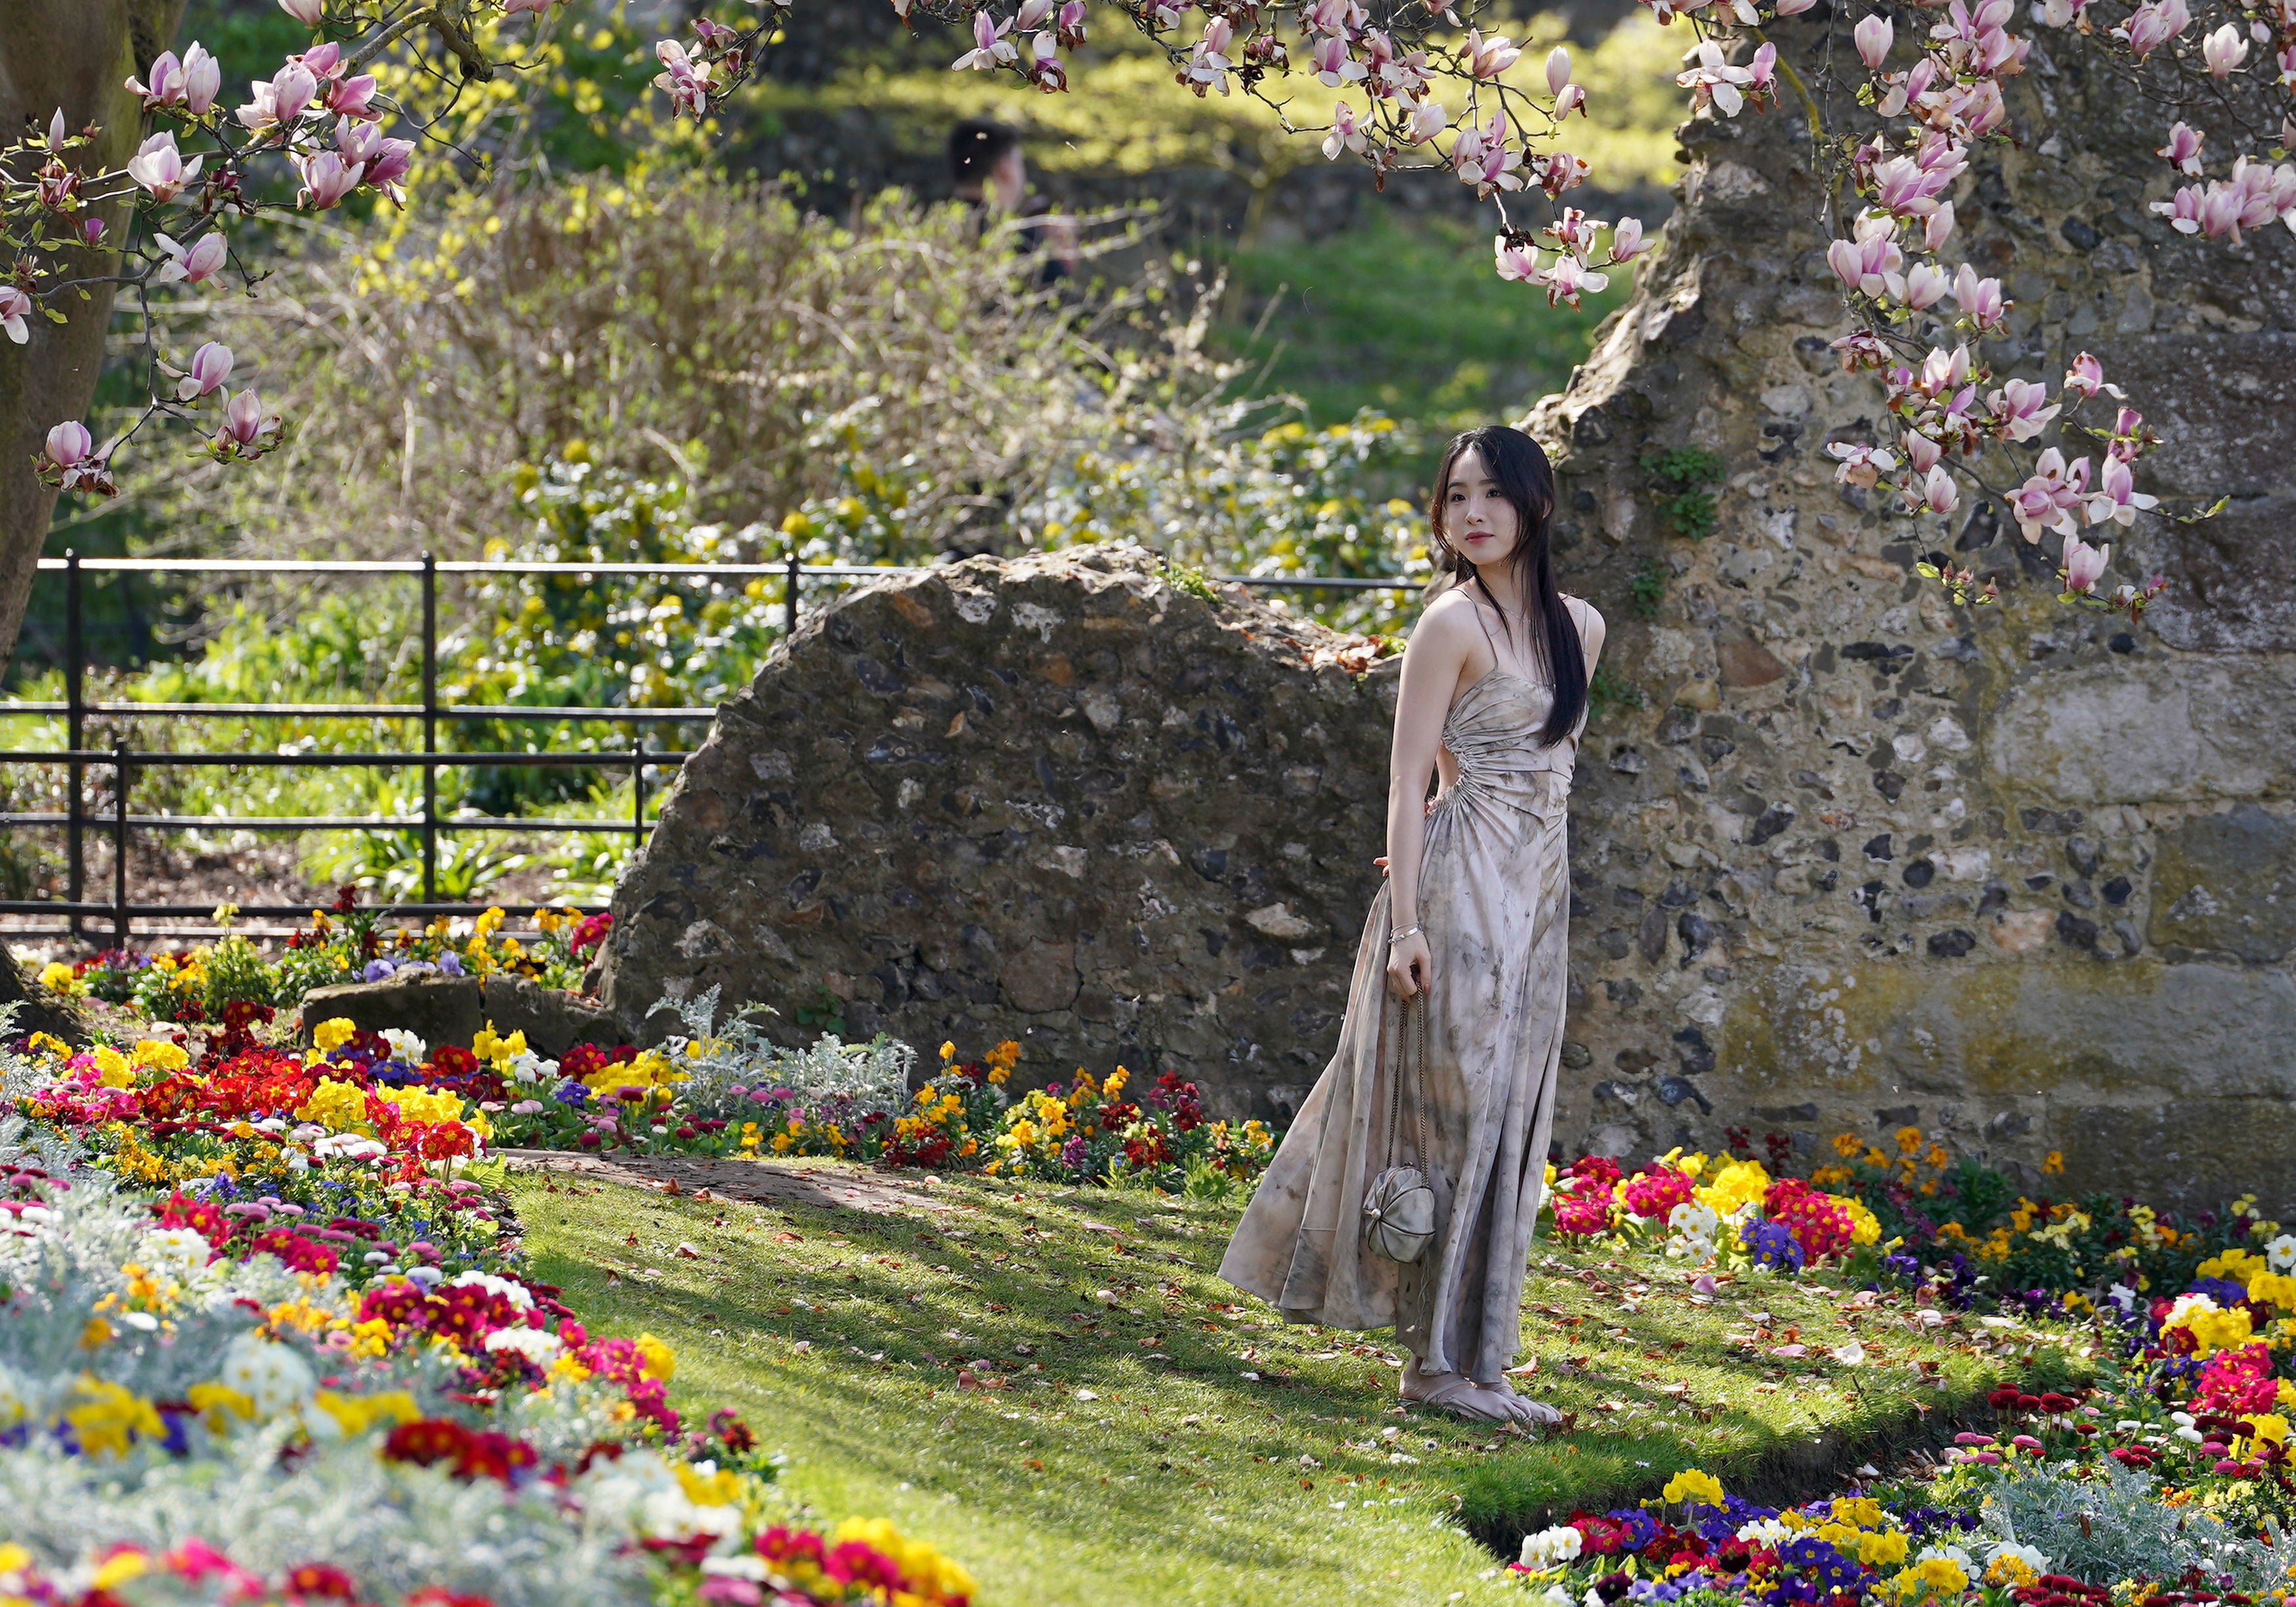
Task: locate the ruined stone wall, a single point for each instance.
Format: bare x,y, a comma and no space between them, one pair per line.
2023,876
1055,800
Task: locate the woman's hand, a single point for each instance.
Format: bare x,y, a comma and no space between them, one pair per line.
1410,965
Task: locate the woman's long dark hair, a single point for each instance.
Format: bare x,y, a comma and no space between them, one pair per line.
1520,472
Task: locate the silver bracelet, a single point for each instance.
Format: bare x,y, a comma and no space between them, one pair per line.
1412,930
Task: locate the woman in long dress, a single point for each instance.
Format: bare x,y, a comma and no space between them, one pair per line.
1470,925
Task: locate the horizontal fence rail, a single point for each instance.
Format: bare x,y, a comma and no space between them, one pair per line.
639,758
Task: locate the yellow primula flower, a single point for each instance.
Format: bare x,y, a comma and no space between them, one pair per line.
112,1068
109,1417
659,1362
57,977
1694,1485
333,1034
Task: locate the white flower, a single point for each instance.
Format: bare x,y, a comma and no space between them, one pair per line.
2031,1556
1551,1547
405,1046
515,1293
1950,1553
180,1252
267,1373
1765,1531
2280,1254
532,1343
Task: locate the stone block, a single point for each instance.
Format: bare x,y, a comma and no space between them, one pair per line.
438,1009
2227,882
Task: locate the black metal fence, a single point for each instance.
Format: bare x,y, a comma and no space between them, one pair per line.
78,824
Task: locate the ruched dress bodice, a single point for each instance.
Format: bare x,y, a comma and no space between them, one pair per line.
1494,899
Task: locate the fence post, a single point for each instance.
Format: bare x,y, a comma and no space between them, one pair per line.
637,794
429,728
789,593
119,845
76,729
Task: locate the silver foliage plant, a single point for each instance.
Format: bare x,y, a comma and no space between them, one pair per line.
2112,1527
728,1063
395,1527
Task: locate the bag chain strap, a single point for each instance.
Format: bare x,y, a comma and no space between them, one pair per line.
1416,1004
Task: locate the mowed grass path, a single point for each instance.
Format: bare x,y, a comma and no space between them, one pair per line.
1053,1386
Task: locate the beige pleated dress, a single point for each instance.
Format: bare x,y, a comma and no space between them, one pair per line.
1494,896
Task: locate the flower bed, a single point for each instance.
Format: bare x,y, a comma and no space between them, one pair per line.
2166,1482
260,1342
343,944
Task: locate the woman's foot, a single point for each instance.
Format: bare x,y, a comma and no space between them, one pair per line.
1521,1407
1455,1393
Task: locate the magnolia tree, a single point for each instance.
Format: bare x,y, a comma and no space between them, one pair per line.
90,215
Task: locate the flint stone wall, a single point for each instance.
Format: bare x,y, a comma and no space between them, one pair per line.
2022,875
1055,800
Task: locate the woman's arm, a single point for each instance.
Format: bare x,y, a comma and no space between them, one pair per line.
1432,668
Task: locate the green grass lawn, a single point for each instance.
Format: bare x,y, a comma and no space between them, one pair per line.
1141,1433
1403,314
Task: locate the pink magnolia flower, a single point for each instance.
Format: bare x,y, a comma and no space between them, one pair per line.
1937,228
685,77
2288,68
2084,565
2117,497
1869,263
1939,493
1208,63
1558,70
1345,134
1980,299
1566,277
1515,262
323,60
1714,81
2087,376
245,432
210,368
1921,454
72,463
327,178
1793,8
1561,172
160,169
1031,15
352,97
2017,406
1860,464
1762,71
1483,157
14,307
1072,23
2151,26
990,45
1627,241
1043,63
1427,120
2045,500
1334,67
1488,58
2183,149
511,8
1873,36
306,12
1925,285
191,82
2224,50
1574,232
387,168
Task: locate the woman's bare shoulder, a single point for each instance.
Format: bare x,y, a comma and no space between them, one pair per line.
1449,616
1589,617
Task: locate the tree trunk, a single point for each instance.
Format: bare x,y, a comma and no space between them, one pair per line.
76,55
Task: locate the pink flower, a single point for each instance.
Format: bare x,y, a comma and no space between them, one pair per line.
2045,500
1566,277
1488,58
15,305
2087,376
2017,407
387,170
1922,452
1558,70
2084,565
511,8
306,12
1072,23
1873,36
1345,135
72,463
1334,67
686,78
1515,262
245,433
1561,172
210,367
2224,50
1937,228
1868,264
1031,15
202,80
1794,8
1208,63
1926,285
1627,241
1714,81
1980,299
2183,149
352,97
1043,63
1482,157
167,86
1861,465
1938,494
2117,497
1427,120
1762,70
327,178
160,169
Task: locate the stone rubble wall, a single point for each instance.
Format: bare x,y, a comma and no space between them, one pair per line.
2023,876
1053,798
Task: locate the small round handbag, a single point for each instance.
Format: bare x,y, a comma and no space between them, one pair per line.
1399,1213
